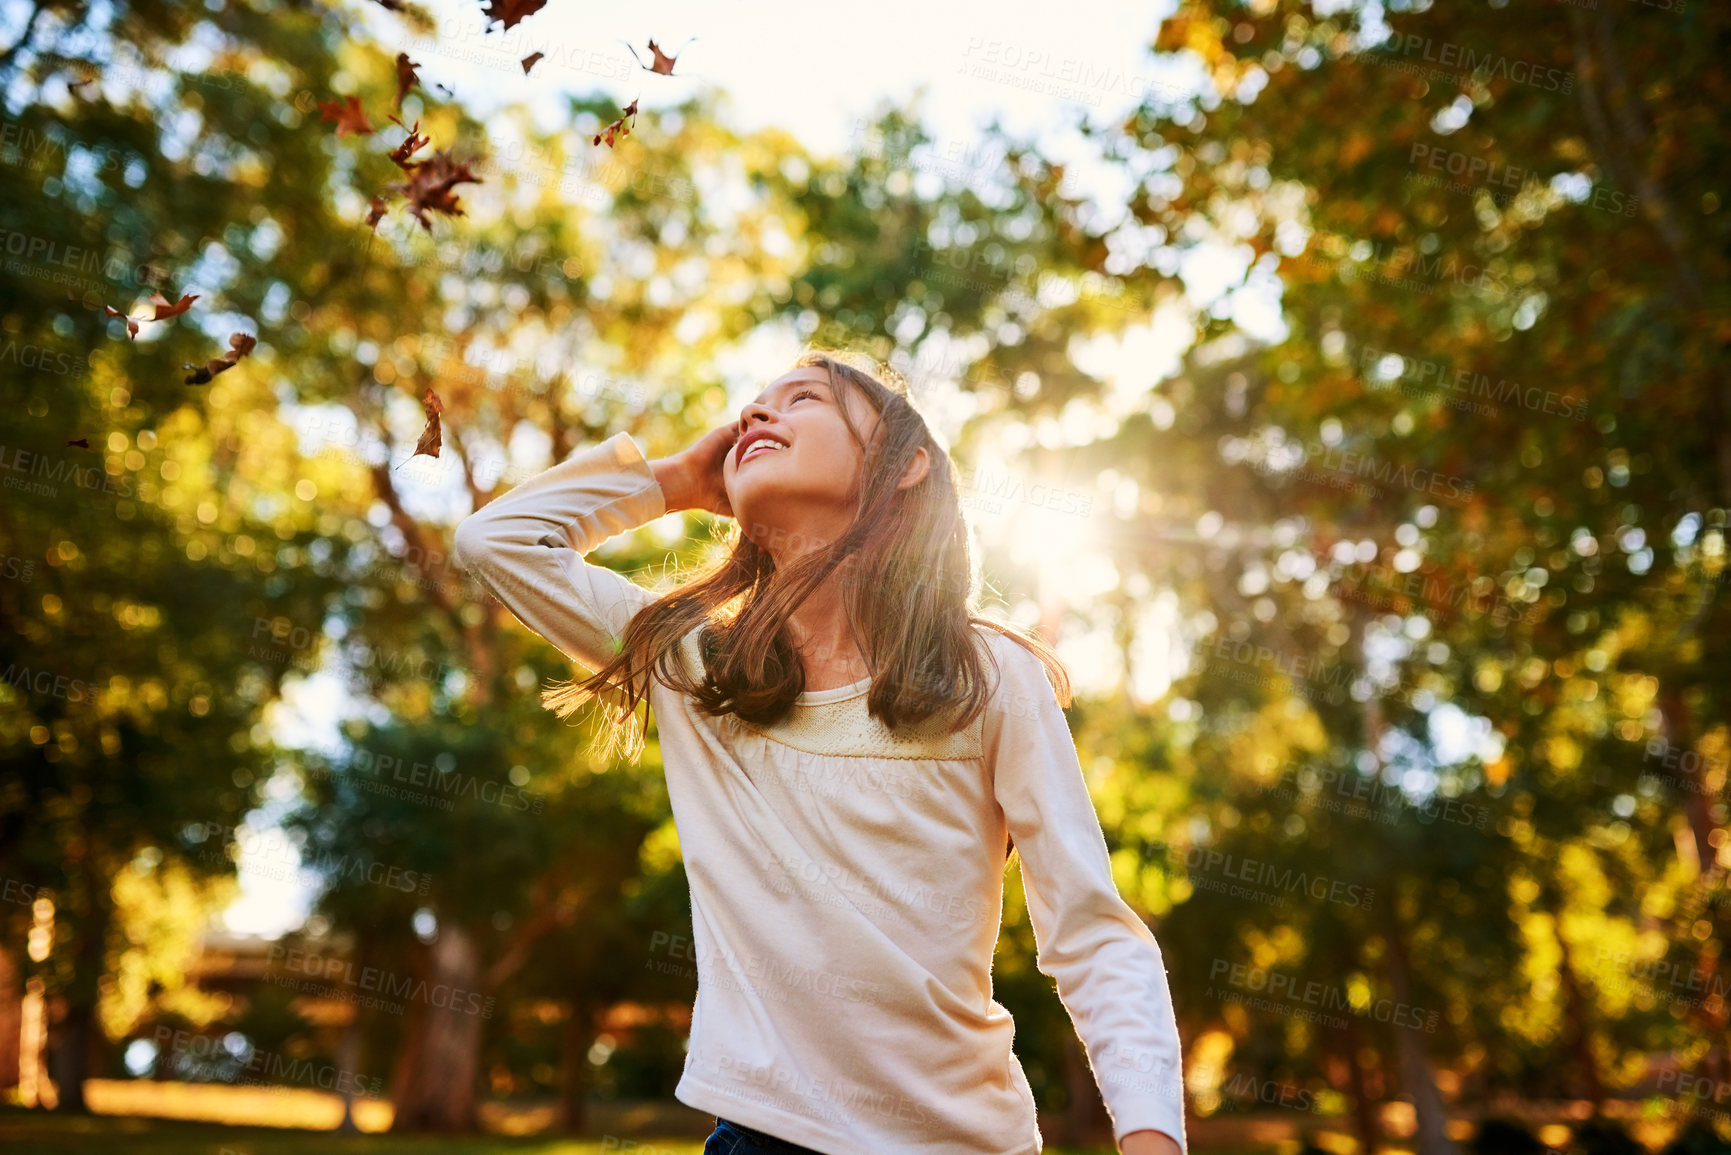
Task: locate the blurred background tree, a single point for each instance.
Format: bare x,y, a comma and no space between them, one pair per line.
1424,575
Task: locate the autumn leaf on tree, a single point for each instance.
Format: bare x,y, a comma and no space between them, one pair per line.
240,344
406,78
510,11
430,441
662,63
530,60
618,128
348,114
430,184
376,212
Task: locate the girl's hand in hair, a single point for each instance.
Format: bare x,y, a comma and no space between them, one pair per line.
691,478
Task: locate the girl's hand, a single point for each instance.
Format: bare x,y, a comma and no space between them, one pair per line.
691,478
1149,1143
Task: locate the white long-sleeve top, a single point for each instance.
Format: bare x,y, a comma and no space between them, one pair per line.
847,882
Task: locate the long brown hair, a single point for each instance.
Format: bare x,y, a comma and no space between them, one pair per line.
909,586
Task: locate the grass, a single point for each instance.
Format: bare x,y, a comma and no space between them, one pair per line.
25,1132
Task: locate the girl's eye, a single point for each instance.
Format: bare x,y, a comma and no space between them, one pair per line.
802,393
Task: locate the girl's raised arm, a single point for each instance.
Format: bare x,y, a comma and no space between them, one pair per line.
1110,974
526,546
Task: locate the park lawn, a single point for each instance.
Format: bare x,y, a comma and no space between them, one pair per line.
26,1132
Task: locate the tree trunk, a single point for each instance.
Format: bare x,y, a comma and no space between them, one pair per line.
1367,1123
75,1043
437,1090
1084,1118
1580,1039
11,1017
1419,1077
348,1058
574,1040
1680,740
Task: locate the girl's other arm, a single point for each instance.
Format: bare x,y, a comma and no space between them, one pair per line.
526,546
1110,974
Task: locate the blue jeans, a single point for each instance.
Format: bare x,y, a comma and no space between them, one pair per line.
732,1139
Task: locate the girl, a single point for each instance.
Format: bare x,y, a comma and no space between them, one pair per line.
845,782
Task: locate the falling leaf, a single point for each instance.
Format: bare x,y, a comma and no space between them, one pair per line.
240,344
412,144
406,78
618,128
349,115
376,213
663,63
530,60
430,436
165,310
510,11
82,443
430,184
131,325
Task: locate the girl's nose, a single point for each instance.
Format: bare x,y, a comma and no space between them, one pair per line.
753,411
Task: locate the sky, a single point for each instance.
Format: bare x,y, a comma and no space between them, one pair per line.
1038,70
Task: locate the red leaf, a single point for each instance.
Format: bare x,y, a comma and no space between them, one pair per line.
430,184
349,115
510,11
530,60
412,144
618,128
240,344
662,63
431,440
406,78
165,309
131,325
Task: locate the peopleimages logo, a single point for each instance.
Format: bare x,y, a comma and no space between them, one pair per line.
332,969
1483,65
1418,375
32,465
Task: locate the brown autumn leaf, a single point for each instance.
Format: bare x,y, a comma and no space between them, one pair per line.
376,212
431,440
166,309
406,78
618,128
82,443
240,344
510,11
431,183
530,60
662,63
348,114
131,325
412,144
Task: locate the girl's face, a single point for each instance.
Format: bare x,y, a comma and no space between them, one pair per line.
805,489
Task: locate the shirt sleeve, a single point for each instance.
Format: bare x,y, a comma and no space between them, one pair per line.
1110,974
526,547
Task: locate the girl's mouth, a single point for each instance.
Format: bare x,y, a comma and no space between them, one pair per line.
760,447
